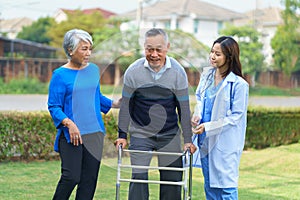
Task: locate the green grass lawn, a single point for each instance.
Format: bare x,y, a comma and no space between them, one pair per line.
269,174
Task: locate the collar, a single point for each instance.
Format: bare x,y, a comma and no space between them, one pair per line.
231,77
167,64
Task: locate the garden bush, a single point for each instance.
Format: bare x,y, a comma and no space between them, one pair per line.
272,127
22,85
30,135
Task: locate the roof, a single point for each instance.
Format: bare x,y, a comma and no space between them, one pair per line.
32,49
270,16
199,10
14,25
105,13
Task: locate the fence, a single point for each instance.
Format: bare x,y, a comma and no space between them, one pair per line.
42,68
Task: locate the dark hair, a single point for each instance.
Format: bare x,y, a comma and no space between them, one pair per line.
231,50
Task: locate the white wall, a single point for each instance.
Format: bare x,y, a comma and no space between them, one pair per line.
207,32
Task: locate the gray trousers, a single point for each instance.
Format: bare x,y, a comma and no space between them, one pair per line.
163,143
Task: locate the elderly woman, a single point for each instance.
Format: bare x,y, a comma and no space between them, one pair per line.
75,104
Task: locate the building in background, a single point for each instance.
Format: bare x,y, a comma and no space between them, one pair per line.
265,21
18,48
205,20
11,27
202,19
62,14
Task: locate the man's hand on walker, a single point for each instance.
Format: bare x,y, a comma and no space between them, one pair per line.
191,146
120,141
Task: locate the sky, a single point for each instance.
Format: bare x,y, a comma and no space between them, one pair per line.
35,9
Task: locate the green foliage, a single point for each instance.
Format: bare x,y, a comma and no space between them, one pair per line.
125,61
109,30
111,126
37,31
265,174
186,49
23,86
111,89
272,127
93,23
30,135
269,174
272,91
121,48
286,41
251,56
124,47
101,35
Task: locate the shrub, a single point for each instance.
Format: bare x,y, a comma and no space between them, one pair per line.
26,135
272,127
30,135
23,86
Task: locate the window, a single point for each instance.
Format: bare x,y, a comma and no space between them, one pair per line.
196,26
220,26
167,24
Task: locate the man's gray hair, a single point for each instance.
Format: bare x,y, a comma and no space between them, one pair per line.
72,39
157,31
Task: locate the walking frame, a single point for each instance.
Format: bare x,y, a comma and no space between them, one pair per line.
186,169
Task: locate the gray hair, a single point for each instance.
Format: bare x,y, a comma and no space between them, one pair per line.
157,31
72,39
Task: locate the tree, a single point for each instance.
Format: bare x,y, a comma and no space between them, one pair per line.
184,47
94,23
189,51
286,41
123,48
251,55
120,49
37,31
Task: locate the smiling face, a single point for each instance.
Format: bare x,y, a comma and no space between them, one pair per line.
216,56
156,51
80,56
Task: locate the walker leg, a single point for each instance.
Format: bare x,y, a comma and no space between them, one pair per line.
190,175
119,172
118,191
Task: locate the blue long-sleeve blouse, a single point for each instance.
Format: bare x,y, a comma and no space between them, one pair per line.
76,94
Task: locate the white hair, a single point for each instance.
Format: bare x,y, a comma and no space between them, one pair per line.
72,39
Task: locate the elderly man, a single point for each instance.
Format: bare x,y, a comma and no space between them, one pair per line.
154,101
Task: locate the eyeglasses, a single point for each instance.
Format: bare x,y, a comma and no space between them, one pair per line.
151,50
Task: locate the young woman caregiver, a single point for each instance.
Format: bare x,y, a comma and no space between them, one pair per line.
220,118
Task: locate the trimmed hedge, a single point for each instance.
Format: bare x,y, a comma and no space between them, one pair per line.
26,135
30,135
272,127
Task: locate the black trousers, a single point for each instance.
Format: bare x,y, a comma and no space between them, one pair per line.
79,166
168,143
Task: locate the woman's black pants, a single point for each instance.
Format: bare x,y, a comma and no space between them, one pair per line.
79,166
